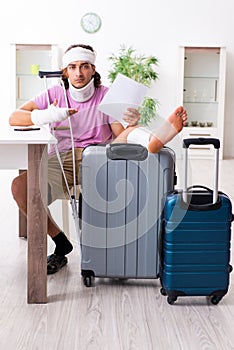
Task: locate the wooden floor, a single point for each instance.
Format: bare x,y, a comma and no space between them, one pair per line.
110,315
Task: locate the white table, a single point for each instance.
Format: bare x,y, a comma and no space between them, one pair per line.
28,150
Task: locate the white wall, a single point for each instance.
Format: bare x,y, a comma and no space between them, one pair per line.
152,27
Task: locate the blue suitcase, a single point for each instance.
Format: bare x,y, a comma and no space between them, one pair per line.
195,239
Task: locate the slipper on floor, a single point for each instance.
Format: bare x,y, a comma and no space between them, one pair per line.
55,263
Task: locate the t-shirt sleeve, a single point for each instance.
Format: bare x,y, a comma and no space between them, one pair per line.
41,100
111,119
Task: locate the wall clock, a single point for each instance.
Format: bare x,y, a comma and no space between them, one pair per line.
91,22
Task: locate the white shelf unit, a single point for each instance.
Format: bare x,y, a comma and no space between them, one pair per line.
202,93
26,60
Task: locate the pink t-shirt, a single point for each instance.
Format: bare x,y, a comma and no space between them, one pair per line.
89,125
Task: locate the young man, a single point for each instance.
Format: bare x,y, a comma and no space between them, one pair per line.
83,92
79,99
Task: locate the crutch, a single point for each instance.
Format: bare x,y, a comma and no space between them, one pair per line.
72,196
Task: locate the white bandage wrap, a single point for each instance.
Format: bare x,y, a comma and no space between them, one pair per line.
139,135
78,54
51,115
165,132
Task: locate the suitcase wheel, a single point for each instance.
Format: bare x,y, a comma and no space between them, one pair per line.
163,292
215,299
171,300
87,281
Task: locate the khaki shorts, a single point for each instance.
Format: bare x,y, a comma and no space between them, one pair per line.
57,186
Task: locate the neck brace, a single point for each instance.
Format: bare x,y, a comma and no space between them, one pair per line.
83,94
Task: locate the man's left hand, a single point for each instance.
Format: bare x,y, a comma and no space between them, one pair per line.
132,116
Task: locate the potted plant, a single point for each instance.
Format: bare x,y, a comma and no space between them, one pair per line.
140,68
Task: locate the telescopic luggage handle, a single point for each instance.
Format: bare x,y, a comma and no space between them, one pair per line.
202,141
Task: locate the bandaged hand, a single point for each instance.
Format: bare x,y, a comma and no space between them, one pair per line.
131,116
51,115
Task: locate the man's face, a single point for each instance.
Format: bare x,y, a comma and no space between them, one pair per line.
80,73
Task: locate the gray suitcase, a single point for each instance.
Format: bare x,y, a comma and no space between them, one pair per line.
122,192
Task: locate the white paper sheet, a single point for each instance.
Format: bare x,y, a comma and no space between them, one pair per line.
123,93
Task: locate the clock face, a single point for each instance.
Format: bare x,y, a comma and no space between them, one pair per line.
91,22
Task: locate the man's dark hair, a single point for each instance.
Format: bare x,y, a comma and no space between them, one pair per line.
97,76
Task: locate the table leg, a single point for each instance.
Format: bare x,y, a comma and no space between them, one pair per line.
37,223
22,220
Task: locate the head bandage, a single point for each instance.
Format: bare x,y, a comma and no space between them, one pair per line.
78,54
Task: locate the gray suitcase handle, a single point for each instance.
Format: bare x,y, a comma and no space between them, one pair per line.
126,151
202,141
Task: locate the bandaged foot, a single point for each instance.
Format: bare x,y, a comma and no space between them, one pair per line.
168,130
155,140
140,135
50,115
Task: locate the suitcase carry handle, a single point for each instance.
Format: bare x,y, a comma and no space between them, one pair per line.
126,151
202,141
199,200
190,188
